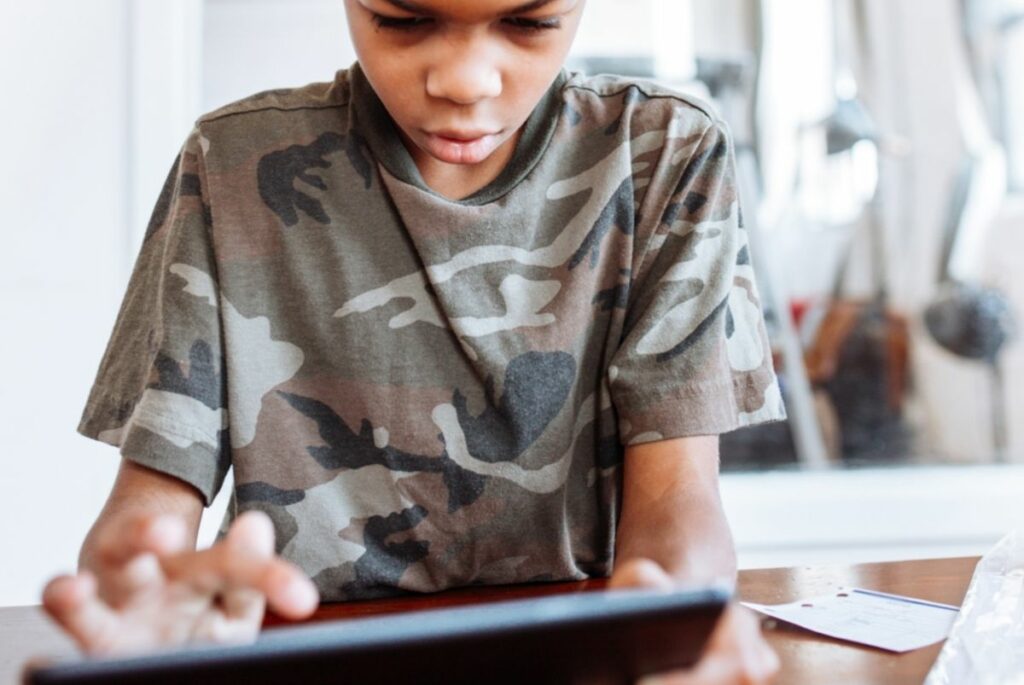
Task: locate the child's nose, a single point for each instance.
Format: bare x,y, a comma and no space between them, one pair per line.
466,79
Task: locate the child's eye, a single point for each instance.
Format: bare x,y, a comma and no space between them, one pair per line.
400,23
526,25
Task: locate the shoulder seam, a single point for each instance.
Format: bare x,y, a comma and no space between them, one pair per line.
217,117
682,99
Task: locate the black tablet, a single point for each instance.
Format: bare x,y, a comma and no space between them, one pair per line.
589,638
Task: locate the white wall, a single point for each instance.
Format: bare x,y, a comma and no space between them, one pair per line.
165,47
916,512
97,108
254,45
64,175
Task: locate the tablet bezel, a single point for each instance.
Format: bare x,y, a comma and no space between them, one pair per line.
605,637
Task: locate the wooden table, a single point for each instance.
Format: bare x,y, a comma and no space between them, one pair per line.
806,658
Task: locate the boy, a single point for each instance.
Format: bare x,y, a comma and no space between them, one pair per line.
455,318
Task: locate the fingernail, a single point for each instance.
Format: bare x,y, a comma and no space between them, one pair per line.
302,595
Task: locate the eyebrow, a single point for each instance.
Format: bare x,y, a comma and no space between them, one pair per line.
415,8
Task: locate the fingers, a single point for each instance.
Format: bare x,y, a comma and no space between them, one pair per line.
717,670
640,573
290,592
736,653
252,531
764,662
739,635
769,663
243,604
73,603
711,671
294,596
140,572
126,554
160,534
163,594
218,627
227,571
243,570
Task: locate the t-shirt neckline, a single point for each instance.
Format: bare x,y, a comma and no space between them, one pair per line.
374,123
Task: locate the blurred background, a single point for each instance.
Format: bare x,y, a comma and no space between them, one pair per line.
880,147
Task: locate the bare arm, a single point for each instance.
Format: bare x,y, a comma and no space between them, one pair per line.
673,530
672,512
140,494
142,584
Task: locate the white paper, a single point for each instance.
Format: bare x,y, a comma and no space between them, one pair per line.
892,622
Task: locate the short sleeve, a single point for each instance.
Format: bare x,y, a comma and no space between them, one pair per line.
160,395
694,358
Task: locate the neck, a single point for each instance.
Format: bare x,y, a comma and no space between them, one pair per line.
459,181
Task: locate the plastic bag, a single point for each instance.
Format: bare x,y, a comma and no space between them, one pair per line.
986,645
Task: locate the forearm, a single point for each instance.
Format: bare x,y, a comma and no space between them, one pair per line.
672,512
690,539
138,492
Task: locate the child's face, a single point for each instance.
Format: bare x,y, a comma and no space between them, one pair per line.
460,77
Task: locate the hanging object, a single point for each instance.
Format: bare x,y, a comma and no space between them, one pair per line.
967,317
859,354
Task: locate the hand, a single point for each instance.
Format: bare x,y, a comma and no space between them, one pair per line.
735,654
150,591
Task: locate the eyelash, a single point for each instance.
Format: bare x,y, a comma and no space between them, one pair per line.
532,25
400,23
521,24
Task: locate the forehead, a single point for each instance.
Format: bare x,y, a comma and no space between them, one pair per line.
474,10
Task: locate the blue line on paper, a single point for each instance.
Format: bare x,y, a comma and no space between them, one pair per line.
908,600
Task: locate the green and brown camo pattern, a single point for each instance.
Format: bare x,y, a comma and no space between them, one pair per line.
424,393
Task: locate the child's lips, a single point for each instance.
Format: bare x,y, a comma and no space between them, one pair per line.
461,137
461,147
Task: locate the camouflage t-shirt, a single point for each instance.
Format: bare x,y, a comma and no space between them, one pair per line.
425,393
